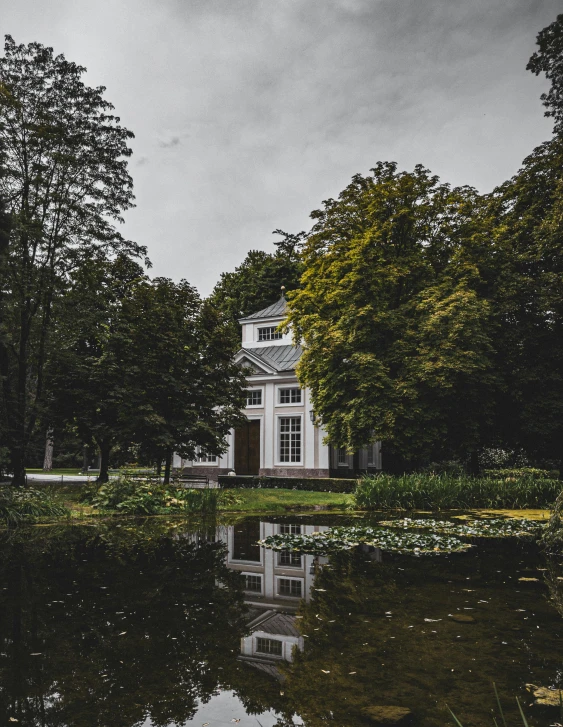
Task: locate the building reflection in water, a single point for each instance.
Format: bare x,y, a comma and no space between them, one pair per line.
275,582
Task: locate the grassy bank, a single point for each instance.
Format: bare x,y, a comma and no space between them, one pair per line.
264,500
441,492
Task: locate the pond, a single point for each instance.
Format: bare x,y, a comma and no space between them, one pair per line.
161,623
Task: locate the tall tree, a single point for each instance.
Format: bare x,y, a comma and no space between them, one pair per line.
186,390
394,317
548,59
65,183
256,283
142,362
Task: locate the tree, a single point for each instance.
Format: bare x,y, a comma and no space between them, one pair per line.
527,213
141,362
257,282
186,392
88,370
548,59
65,183
394,317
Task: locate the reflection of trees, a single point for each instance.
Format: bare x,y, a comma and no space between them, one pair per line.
395,663
127,626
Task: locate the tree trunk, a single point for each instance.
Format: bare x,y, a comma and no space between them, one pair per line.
105,448
85,459
474,468
49,447
167,466
158,467
17,457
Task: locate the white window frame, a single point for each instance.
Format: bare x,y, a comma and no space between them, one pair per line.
281,387
285,565
289,578
267,654
279,463
275,334
198,463
256,575
261,390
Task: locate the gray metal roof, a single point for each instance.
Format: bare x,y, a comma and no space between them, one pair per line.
279,623
276,310
280,358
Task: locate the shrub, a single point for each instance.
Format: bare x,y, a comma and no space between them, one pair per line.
314,484
435,492
26,504
149,497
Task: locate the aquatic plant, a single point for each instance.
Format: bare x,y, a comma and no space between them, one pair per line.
345,538
25,504
487,528
149,497
501,712
437,492
552,538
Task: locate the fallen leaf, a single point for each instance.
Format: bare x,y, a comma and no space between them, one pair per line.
432,620
529,579
324,671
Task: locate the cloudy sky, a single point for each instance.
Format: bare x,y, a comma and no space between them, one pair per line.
248,113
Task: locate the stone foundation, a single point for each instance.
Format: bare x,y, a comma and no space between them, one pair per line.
292,472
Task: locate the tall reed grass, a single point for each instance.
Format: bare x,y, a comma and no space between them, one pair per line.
21,504
439,492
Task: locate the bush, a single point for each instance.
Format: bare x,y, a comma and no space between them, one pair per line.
26,504
149,498
436,492
522,473
313,484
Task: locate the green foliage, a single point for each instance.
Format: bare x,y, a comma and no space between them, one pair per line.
397,332
66,184
257,282
518,473
346,538
548,59
149,498
437,492
19,505
484,528
553,536
315,484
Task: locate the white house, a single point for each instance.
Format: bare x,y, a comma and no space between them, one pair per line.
280,437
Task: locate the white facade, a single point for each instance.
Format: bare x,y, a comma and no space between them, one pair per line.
281,437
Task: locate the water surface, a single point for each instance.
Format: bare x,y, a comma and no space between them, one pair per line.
160,623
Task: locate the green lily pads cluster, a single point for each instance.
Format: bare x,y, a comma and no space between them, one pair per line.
388,539
491,528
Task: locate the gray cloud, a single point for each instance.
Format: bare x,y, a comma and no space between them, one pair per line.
269,108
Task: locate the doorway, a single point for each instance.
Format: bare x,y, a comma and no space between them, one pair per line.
247,448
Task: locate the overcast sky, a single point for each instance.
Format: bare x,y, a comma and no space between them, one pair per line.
248,113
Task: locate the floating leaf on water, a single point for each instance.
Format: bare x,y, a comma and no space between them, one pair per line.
432,620
324,671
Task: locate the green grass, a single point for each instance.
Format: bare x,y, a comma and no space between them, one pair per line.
437,492
265,500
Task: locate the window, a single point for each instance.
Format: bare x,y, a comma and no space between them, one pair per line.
289,587
269,646
289,558
253,583
206,457
290,396
290,529
372,454
269,334
254,397
341,457
290,439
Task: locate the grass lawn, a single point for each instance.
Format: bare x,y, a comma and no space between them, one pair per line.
264,500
